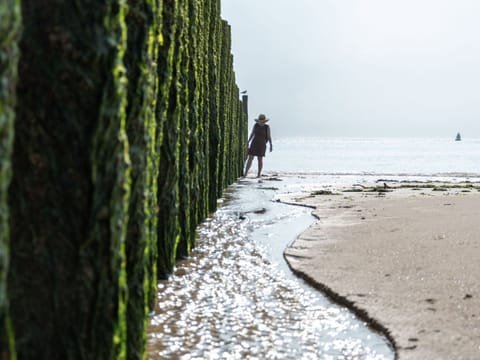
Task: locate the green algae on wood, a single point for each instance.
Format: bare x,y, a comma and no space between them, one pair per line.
212,78
100,228
199,153
194,150
144,25
9,36
168,111
70,187
183,73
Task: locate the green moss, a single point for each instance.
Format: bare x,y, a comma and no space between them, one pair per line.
144,25
183,101
204,109
213,102
201,151
70,187
194,151
122,147
9,36
168,116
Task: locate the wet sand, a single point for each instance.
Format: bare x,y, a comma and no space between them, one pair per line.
234,297
406,260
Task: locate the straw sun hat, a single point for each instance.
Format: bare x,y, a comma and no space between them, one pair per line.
262,119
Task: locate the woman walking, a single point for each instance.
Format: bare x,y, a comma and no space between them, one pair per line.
257,140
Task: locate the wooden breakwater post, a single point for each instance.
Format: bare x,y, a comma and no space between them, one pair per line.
10,24
70,188
245,104
144,38
128,126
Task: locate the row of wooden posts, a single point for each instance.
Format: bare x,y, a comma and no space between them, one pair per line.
120,125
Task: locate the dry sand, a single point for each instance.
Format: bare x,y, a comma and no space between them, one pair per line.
406,260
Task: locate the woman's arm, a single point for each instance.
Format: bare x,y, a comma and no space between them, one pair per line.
269,138
251,136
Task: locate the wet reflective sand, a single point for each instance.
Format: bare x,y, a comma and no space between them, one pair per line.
233,299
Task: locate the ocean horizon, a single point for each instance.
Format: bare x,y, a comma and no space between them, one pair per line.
391,156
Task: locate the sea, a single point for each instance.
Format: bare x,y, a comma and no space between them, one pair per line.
430,157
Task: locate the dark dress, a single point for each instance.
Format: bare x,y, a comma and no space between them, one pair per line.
258,145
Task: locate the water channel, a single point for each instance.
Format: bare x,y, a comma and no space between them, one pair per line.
235,297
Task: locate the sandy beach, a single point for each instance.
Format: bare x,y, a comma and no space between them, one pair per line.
405,257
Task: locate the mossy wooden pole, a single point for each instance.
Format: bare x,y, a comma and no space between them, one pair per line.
204,108
203,34
194,83
167,202
144,38
70,187
242,120
86,225
224,124
214,126
167,114
186,177
228,104
198,107
9,36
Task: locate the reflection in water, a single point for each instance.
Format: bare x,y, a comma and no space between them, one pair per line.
229,301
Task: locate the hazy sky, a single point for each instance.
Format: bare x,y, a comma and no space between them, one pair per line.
360,67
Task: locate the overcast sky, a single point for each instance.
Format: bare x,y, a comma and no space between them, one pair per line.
359,67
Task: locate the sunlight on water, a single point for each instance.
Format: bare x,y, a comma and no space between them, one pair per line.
230,301
392,156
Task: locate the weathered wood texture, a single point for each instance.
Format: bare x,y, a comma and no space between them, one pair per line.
143,39
9,37
70,187
128,128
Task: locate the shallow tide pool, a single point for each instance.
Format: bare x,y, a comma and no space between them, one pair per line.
235,297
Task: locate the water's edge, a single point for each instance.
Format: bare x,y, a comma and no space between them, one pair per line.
333,296
362,315
242,248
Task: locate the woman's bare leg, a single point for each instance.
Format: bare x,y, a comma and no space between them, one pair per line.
249,163
260,165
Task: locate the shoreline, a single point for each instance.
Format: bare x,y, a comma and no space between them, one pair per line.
366,252
340,300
